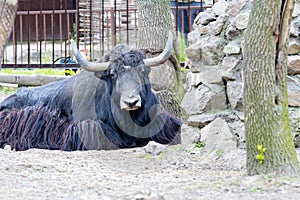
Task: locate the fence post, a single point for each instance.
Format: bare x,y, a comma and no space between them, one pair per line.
113,6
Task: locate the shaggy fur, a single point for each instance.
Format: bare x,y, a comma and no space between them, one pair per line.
58,116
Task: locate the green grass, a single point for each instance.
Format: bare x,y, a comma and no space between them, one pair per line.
182,47
33,71
7,90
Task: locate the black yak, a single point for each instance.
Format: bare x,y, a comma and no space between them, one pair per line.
108,105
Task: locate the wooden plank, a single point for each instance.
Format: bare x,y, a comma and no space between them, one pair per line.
29,80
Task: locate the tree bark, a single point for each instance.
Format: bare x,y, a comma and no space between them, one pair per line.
8,10
155,22
265,89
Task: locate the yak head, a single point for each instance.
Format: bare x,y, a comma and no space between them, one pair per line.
128,71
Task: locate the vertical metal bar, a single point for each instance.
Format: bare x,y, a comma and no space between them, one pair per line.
201,7
52,32
77,23
67,47
120,25
100,33
21,37
127,19
40,31
113,6
189,17
60,32
84,29
37,36
45,32
28,33
135,27
67,34
91,30
107,33
103,27
15,43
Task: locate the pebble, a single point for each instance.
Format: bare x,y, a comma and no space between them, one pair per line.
155,148
7,147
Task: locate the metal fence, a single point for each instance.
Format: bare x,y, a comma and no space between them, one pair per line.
43,29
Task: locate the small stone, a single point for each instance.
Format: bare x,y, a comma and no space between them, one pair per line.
294,46
155,148
220,7
7,147
232,49
293,65
241,21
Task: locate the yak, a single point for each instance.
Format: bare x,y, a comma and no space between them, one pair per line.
108,105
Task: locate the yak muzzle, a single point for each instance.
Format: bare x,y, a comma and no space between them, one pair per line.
131,102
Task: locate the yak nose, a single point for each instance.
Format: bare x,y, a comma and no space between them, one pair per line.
130,103
133,103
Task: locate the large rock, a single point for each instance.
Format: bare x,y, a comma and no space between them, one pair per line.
232,32
189,136
204,18
294,46
212,75
163,76
218,25
235,94
295,125
234,7
296,11
294,91
211,50
232,48
295,25
218,137
231,66
193,52
204,98
204,119
241,21
220,7
207,50
293,65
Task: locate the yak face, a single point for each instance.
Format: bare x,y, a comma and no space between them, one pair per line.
127,71
129,77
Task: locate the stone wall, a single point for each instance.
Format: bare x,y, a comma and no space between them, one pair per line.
215,80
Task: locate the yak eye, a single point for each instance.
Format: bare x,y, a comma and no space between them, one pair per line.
141,70
113,74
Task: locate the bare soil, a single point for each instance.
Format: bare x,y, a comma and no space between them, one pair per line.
133,174
129,174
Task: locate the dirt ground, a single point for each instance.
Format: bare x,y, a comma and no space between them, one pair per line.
129,174
133,174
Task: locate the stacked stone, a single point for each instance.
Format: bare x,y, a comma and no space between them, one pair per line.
215,54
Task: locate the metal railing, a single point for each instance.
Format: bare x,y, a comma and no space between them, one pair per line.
41,38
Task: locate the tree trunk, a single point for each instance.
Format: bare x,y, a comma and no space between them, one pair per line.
8,10
265,89
155,22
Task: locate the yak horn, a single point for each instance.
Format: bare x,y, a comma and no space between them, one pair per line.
85,64
165,55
